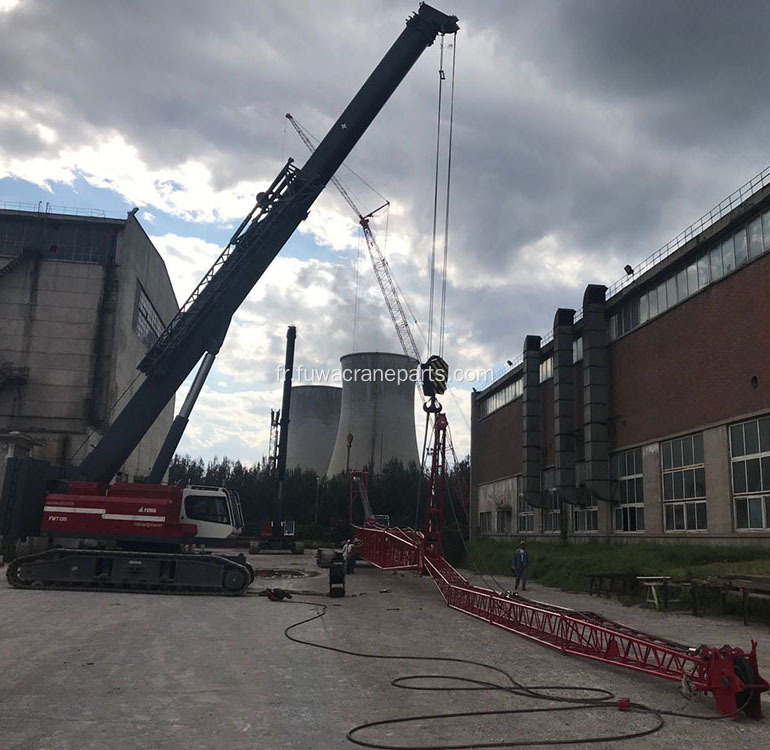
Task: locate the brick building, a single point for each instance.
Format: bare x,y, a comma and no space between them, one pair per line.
645,415
82,298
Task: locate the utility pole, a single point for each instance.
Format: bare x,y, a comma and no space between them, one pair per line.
347,463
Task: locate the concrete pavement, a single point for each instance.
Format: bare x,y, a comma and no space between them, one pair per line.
95,670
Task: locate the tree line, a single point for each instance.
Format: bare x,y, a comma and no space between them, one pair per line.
314,502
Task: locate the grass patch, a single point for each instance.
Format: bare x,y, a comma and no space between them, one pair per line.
567,566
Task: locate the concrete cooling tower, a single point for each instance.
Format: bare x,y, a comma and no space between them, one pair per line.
379,413
314,416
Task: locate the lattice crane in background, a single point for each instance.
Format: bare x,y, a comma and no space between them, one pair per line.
380,265
398,316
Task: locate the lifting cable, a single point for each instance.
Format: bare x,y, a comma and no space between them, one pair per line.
437,173
441,77
357,307
422,471
446,206
477,568
442,314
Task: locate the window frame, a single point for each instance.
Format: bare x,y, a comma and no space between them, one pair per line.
743,456
682,464
622,509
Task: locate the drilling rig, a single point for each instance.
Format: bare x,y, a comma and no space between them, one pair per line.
277,534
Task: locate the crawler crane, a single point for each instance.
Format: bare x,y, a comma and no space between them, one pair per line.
152,521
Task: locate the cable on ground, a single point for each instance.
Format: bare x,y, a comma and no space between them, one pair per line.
604,699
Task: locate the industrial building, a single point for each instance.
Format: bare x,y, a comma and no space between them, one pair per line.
314,417
82,298
646,414
376,422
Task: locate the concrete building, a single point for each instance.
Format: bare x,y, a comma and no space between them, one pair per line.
314,418
377,410
82,298
645,415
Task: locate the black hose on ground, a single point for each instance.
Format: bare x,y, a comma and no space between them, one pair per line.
604,699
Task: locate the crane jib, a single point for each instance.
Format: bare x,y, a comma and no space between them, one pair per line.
239,268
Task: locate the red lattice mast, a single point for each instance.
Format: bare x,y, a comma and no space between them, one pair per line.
730,674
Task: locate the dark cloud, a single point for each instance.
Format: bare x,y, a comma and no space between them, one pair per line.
587,132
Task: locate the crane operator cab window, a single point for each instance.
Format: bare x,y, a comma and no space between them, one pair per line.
211,508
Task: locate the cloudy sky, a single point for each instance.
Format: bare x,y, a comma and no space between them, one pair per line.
586,134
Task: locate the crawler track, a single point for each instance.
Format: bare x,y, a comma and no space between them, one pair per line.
141,572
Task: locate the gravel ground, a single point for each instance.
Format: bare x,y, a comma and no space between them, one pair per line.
88,670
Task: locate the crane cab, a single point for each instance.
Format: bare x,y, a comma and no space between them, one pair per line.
215,511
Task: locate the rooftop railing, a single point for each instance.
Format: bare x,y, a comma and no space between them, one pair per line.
47,208
724,207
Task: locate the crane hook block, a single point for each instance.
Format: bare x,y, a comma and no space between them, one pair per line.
435,374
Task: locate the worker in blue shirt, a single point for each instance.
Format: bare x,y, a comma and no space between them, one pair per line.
520,566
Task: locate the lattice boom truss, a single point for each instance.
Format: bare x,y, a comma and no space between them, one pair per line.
585,634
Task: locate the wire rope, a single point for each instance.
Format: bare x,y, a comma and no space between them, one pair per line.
441,77
446,200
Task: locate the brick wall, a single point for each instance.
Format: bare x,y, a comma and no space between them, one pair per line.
497,444
693,365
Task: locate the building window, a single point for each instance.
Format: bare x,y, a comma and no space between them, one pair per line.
584,517
551,513
525,513
683,291
715,257
741,247
546,369
485,522
147,322
756,245
526,516
626,475
644,308
503,519
577,350
501,397
496,499
750,457
684,484
728,256
766,229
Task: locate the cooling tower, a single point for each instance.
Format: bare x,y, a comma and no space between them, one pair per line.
379,413
314,416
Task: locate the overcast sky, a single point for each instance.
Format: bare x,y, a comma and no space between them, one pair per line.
586,134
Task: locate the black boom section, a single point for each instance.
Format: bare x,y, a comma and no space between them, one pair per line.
242,264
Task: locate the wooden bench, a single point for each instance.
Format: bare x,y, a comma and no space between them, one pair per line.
652,584
749,587
611,584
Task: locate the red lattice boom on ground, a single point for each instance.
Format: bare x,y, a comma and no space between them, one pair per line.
584,634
